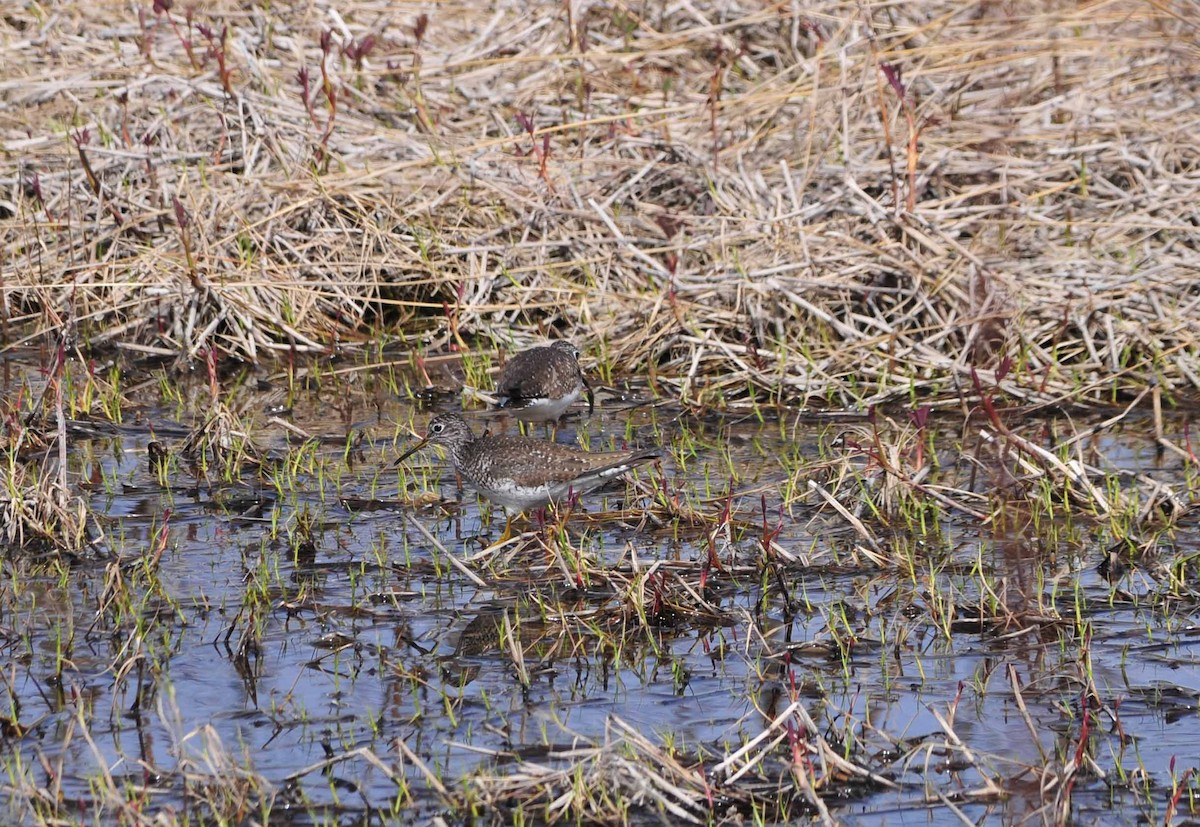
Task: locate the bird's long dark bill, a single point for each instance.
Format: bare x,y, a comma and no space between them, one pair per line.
411,451
591,398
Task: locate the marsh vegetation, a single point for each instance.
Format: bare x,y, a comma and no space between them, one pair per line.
906,294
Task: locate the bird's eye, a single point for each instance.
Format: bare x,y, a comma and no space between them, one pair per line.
437,428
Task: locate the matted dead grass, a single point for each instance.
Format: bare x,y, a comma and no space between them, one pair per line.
838,203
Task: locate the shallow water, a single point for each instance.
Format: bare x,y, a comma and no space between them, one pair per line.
369,637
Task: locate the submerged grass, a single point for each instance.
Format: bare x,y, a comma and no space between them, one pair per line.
806,579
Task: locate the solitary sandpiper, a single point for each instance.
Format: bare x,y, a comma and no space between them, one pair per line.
538,385
521,473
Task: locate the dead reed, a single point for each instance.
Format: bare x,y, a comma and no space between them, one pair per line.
840,203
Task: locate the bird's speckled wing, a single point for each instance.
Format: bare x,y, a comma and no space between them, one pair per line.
533,462
537,374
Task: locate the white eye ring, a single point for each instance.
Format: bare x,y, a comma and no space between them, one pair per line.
437,427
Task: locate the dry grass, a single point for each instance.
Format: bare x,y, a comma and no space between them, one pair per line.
719,193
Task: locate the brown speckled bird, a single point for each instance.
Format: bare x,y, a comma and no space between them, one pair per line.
521,473
540,384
